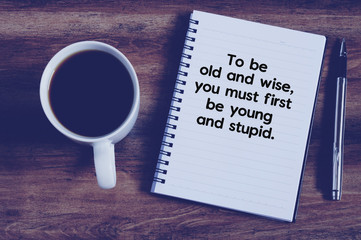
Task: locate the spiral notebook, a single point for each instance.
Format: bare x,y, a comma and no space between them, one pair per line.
240,119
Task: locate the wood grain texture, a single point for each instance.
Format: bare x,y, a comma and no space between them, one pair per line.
48,189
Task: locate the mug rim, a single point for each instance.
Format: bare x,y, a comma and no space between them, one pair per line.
46,79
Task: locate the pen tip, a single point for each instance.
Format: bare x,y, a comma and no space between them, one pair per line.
336,195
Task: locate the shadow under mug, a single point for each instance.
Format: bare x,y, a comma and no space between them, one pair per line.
103,146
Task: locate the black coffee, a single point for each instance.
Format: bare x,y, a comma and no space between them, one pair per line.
91,93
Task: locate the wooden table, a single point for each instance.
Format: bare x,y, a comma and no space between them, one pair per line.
48,189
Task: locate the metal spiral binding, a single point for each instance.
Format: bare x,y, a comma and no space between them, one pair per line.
164,154
171,126
187,56
176,99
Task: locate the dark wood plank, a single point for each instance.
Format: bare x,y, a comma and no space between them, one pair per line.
48,188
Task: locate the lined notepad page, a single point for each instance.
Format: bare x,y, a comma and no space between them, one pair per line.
226,168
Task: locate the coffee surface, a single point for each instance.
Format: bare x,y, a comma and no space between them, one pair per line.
91,93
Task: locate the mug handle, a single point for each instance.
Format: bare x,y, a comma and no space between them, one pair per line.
104,160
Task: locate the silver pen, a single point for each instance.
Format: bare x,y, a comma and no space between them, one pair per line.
339,123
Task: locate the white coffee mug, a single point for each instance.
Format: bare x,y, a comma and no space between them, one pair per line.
103,146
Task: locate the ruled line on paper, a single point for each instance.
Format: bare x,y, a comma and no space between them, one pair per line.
246,160
288,125
258,203
234,183
294,69
278,160
235,137
235,34
281,56
227,196
236,163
